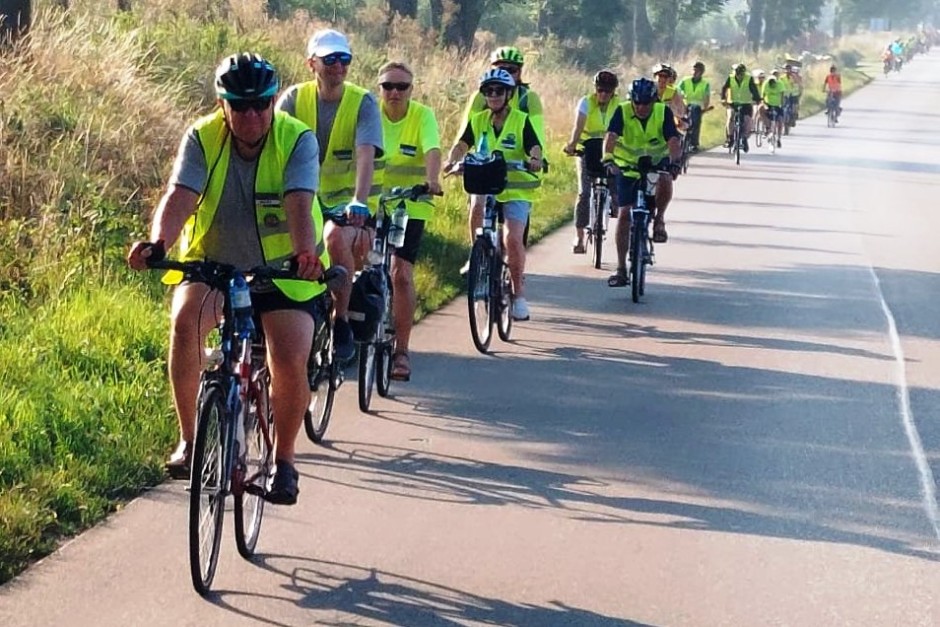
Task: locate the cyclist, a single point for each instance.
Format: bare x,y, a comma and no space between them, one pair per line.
238,168
641,126
772,96
795,90
591,118
345,118
510,130
696,95
740,89
666,89
832,86
413,148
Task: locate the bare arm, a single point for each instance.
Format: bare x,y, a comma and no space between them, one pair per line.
579,121
432,170
303,233
365,169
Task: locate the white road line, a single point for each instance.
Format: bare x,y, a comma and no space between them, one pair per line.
928,484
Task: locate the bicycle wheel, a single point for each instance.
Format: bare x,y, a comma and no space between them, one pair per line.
738,138
599,198
503,297
206,492
636,255
759,132
383,353
323,374
479,303
259,462
366,374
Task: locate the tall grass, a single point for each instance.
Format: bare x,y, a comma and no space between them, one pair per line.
93,106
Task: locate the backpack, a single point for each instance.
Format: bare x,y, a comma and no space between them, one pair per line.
367,303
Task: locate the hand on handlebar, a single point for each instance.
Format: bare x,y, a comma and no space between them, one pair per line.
142,253
309,266
356,213
570,149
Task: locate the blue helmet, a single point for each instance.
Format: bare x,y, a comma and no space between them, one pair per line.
497,76
643,91
245,76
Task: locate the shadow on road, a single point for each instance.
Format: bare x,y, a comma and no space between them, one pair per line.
351,594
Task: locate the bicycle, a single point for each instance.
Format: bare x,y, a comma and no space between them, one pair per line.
233,452
600,200
694,122
832,111
324,373
489,285
375,353
641,243
737,132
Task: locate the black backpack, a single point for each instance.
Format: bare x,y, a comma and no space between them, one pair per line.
367,304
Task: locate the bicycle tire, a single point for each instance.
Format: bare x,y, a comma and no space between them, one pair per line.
740,142
479,295
208,465
323,384
598,200
366,374
759,132
383,353
636,258
259,434
504,308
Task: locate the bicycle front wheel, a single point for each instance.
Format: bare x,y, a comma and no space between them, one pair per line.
366,374
479,295
637,250
599,200
258,466
383,354
323,374
206,489
504,298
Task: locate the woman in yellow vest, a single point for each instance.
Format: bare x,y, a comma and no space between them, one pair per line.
413,156
501,127
591,118
242,193
696,95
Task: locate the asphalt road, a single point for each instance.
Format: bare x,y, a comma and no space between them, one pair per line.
755,444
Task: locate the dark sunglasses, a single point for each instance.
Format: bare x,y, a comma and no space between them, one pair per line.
494,91
387,86
243,104
342,58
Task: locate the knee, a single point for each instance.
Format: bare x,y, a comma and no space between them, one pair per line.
402,275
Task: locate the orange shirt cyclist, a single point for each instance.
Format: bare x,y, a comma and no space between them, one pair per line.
833,85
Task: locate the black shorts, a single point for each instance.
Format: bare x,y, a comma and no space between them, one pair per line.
776,111
275,300
414,231
627,187
747,110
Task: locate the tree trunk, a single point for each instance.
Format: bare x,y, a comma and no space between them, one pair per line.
627,31
405,8
755,24
459,20
642,29
16,16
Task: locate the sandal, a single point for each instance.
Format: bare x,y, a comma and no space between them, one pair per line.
660,236
618,279
401,367
579,249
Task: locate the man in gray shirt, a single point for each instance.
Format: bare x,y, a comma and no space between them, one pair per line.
346,120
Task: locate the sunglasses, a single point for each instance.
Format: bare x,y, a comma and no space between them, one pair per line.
494,91
243,104
388,86
343,58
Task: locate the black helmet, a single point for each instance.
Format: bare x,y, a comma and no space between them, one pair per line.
698,65
606,78
643,91
245,75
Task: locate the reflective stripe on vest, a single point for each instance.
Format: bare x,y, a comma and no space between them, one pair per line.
595,123
270,217
520,185
405,163
637,141
338,169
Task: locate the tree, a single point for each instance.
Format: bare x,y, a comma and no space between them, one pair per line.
16,16
405,8
755,24
667,15
457,21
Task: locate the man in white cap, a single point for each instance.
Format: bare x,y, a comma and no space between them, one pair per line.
345,118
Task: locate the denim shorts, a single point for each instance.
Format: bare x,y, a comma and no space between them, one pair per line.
517,210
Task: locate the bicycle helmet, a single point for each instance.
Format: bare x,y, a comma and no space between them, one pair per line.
643,91
606,78
698,65
507,54
739,67
245,75
497,76
662,68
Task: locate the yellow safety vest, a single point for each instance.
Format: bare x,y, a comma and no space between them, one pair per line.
740,93
637,141
520,185
773,96
595,123
270,217
338,169
405,163
694,93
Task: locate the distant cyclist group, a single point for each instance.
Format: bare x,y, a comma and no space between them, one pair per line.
297,176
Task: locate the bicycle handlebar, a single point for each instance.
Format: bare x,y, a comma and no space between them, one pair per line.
408,193
218,275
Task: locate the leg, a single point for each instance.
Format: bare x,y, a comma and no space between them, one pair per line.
728,118
404,297
663,198
516,213
347,246
475,218
695,116
582,209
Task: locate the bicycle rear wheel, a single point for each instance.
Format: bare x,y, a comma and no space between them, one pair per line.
479,295
503,296
206,488
259,462
323,373
383,353
366,374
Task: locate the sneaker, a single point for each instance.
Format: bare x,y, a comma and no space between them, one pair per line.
343,342
520,309
779,145
283,490
579,248
744,144
178,465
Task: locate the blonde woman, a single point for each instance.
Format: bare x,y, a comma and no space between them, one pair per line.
413,156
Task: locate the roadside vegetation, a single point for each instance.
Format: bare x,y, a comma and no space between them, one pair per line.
93,105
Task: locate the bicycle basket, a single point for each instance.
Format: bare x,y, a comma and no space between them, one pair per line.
484,174
593,151
367,304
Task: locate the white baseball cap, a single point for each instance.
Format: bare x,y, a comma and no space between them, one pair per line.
326,42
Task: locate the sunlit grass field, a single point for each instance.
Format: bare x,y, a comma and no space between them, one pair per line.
86,141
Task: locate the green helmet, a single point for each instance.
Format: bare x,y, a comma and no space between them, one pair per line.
507,54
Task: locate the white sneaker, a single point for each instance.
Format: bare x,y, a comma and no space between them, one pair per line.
520,309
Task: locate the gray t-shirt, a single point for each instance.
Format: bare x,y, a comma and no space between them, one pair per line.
233,237
368,121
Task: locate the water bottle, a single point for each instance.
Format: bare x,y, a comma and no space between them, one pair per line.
396,227
484,144
241,305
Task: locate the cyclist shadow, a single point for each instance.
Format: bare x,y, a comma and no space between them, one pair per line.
349,593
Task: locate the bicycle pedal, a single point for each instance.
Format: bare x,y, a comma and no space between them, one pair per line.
254,489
